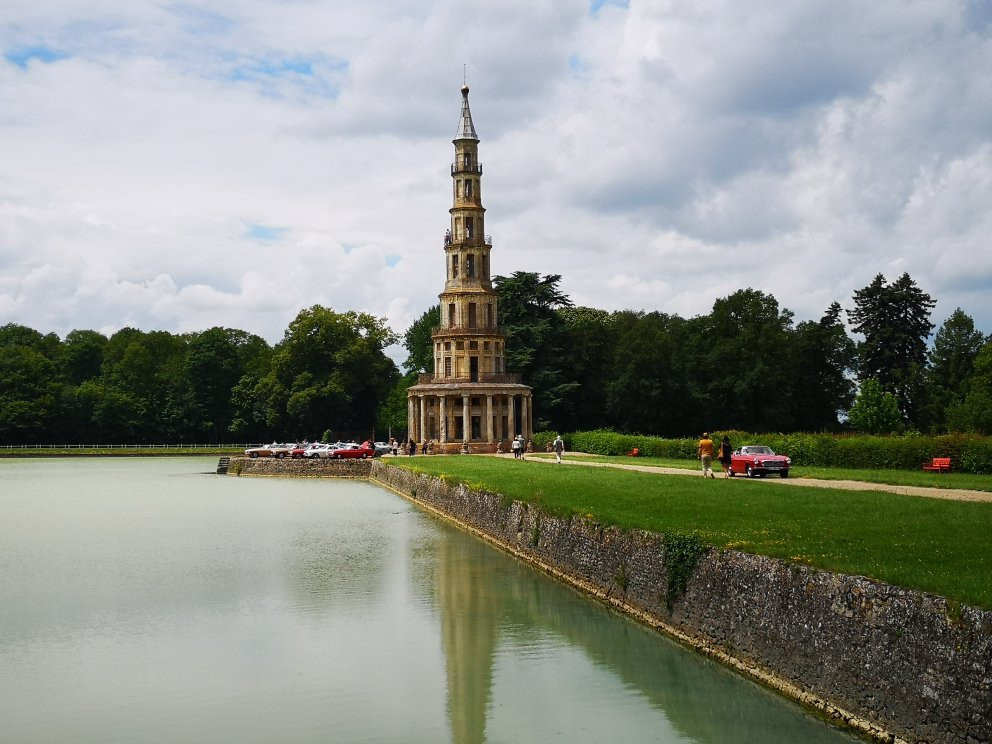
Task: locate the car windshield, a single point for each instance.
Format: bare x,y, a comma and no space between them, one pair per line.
758,451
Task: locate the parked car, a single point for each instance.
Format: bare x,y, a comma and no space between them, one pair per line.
352,451
757,460
382,448
309,451
266,450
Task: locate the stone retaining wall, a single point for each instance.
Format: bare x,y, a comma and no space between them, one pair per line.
300,468
901,665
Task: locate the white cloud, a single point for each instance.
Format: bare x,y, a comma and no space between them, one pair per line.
179,166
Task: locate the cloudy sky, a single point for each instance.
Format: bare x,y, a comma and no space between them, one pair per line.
181,165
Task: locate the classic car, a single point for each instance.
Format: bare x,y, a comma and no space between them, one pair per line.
266,450
271,450
310,451
352,450
757,460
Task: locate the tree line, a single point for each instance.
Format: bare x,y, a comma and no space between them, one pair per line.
745,365
222,384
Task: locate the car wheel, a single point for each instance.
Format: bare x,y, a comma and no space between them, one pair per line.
731,473
785,473
280,455
748,471
252,455
314,456
364,456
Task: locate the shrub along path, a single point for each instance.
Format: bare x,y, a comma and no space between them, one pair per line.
955,494
936,545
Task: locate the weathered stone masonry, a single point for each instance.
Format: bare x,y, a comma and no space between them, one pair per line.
899,664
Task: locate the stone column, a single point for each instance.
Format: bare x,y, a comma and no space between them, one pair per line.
499,417
466,420
511,419
442,423
410,423
423,419
489,418
524,417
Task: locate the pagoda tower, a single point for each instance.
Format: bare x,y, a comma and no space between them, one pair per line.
470,402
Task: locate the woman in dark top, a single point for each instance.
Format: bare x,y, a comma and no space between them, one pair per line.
726,452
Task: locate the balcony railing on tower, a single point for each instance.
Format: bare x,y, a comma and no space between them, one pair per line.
479,329
466,168
450,239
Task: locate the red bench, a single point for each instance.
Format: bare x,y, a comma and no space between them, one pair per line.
938,465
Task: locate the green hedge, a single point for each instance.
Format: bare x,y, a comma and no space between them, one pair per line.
968,453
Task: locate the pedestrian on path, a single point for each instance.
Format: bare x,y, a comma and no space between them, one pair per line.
559,448
515,446
726,455
706,455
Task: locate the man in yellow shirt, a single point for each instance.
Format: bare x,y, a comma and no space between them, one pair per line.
706,455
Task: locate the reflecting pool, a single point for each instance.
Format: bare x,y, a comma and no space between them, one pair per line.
149,600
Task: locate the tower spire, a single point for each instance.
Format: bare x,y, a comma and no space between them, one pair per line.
466,129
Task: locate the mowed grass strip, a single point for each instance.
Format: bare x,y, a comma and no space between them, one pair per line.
936,545
968,481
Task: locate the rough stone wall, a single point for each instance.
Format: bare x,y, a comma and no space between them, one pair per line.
300,468
896,663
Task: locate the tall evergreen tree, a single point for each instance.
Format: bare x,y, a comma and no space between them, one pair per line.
895,322
952,360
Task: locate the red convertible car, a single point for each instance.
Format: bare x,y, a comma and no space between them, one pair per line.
756,460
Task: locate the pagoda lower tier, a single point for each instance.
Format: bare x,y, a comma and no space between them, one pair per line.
463,414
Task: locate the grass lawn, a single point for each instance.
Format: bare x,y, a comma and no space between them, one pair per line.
968,481
940,546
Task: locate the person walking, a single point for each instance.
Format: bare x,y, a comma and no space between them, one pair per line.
726,455
515,446
412,448
559,447
706,455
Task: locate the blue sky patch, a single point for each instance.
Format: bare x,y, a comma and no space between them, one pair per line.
578,66
317,74
392,261
21,57
595,5
200,21
265,233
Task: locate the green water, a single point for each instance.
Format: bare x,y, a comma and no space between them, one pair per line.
146,600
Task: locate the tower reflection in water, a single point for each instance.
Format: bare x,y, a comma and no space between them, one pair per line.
494,609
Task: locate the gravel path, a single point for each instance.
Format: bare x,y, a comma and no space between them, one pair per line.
953,494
